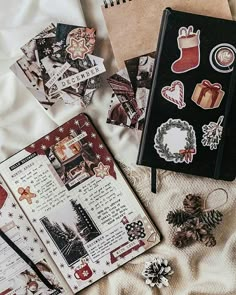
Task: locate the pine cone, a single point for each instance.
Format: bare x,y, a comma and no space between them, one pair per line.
181,239
211,218
157,272
177,218
209,240
192,204
195,229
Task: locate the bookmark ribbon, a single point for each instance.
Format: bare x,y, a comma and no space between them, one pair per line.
26,259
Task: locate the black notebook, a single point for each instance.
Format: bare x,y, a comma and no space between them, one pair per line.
191,115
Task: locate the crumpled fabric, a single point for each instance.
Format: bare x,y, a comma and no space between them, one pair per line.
198,270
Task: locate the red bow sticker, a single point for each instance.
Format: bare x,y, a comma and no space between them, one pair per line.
188,155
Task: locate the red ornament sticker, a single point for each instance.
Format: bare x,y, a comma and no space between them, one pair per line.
26,194
174,94
189,46
208,95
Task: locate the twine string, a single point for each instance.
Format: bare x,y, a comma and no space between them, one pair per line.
217,207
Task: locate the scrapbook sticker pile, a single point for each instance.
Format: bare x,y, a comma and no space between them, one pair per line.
59,65
131,87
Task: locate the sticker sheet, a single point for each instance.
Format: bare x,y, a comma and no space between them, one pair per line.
70,188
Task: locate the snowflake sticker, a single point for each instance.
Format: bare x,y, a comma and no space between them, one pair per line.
77,48
102,170
212,134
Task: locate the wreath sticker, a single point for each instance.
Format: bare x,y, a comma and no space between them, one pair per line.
175,141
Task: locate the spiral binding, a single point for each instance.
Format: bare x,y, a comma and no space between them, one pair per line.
108,3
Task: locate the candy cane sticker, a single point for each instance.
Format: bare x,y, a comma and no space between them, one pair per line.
174,93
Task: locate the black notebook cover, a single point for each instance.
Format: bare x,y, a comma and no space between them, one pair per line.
191,115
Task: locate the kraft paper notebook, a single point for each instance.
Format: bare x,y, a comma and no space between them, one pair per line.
66,204
133,26
190,120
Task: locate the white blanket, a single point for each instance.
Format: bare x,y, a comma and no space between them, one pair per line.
198,270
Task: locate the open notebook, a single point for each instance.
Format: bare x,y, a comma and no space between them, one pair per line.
133,26
67,191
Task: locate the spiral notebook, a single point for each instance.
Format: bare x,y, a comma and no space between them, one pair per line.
133,25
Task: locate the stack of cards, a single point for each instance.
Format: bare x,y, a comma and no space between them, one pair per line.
131,87
58,65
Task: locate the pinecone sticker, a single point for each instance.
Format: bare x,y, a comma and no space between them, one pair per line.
194,223
157,273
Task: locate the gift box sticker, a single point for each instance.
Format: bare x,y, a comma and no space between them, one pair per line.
207,95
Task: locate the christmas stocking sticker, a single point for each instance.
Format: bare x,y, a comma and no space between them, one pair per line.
189,46
212,134
174,93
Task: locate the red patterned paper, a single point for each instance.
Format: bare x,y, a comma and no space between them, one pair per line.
80,123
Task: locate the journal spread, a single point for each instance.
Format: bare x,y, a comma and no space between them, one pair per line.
72,194
190,119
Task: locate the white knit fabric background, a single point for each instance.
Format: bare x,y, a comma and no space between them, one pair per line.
198,270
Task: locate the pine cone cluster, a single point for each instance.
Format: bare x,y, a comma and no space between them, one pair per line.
193,223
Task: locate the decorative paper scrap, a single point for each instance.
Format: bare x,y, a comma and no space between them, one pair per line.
212,134
174,93
128,109
59,65
175,141
140,70
207,95
65,32
222,58
189,46
117,114
122,87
